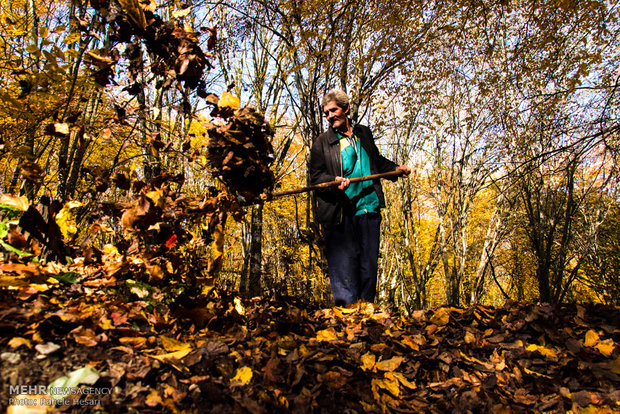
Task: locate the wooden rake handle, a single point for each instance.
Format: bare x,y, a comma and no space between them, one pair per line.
395,173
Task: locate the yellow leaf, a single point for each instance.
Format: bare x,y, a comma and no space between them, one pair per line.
66,221
62,129
327,335
606,347
239,307
181,13
72,38
172,355
340,311
16,202
243,375
390,384
441,317
410,343
149,5
593,409
153,399
18,341
542,350
229,100
32,49
368,361
172,345
134,11
538,374
389,364
30,404
404,381
157,197
105,324
591,339
99,60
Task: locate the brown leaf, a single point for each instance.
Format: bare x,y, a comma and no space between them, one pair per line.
31,171
333,379
135,341
85,336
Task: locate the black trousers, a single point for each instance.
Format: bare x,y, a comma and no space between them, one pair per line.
352,252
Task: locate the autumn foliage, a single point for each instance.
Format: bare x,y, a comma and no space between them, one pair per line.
219,353
142,252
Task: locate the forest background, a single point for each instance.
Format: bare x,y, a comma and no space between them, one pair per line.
507,112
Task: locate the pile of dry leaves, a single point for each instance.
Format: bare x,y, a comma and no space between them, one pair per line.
135,350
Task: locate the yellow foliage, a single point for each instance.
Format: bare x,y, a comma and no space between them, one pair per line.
591,338
441,317
243,375
327,335
389,364
172,345
66,219
368,361
228,100
542,350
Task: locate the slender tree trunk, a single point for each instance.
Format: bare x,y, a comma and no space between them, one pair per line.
255,268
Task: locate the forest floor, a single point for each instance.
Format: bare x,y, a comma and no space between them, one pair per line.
106,346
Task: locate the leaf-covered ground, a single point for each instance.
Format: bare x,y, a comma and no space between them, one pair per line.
217,353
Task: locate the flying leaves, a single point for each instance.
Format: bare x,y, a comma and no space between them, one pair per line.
240,152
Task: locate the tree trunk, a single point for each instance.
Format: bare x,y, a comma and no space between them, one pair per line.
256,254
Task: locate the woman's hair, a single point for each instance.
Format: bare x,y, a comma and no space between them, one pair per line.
338,96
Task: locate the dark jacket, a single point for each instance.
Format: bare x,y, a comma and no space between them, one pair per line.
326,164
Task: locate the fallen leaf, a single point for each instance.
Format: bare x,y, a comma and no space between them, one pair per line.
470,338
404,381
172,345
29,404
389,384
389,364
85,336
606,347
591,338
368,361
408,340
172,355
243,375
17,341
10,357
239,306
615,366
63,129
542,350
441,317
153,399
136,341
327,335
46,349
333,379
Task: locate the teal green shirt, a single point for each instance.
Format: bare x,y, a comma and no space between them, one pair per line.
355,163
